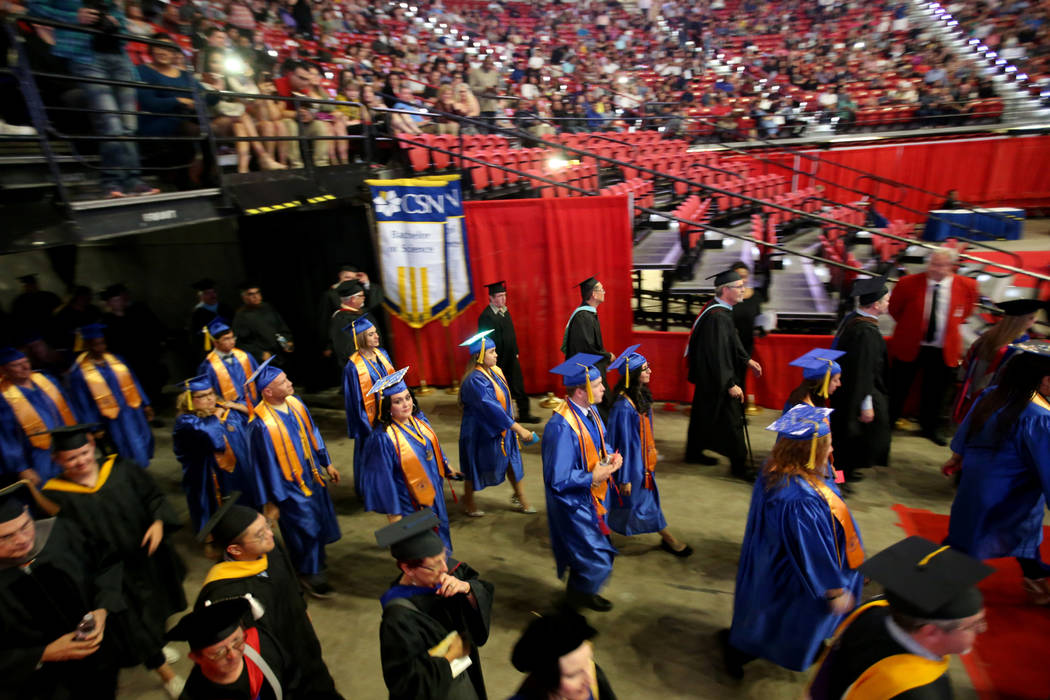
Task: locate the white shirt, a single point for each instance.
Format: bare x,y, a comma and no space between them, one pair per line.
944,298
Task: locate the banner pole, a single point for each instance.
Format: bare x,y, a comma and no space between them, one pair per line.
453,388
423,390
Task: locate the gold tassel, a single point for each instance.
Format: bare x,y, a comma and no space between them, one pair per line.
207,340
827,382
353,332
627,373
813,451
78,344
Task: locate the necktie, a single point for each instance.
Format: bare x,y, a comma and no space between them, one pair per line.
931,325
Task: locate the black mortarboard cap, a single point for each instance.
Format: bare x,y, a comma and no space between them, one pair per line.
587,286
211,624
112,291
927,580
14,500
229,522
869,290
204,284
1021,307
550,637
412,537
725,277
497,287
349,288
71,437
349,268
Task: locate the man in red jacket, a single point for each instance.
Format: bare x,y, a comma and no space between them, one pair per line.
928,308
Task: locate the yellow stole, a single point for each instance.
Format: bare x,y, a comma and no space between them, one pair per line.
29,420
1038,400
854,552
60,484
226,387
284,448
419,487
590,456
236,569
226,459
501,395
648,443
103,397
364,379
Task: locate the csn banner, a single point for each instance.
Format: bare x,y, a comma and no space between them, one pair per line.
422,248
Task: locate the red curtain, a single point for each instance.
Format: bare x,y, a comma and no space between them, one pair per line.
998,171
542,248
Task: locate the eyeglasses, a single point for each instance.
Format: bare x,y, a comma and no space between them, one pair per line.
226,650
261,536
441,568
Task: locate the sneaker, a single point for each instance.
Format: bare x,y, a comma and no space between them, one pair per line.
15,130
527,511
475,513
174,687
171,654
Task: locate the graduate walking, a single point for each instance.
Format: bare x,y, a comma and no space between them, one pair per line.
496,317
367,365
636,507
489,438
226,366
583,334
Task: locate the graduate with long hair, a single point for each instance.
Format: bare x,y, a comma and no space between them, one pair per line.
821,376
798,574
1003,449
403,468
635,509
489,448
367,365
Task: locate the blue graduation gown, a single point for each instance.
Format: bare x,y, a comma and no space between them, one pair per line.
578,543
236,376
129,431
16,452
638,512
307,523
195,441
788,561
383,487
484,456
357,425
998,508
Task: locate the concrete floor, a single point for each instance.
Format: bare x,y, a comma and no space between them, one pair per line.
658,641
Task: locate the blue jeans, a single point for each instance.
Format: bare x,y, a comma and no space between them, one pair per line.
120,159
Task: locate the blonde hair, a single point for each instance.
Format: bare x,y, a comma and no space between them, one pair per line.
791,458
1005,331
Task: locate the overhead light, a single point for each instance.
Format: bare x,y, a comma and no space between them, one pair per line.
557,163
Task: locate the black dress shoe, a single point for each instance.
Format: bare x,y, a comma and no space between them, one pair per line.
578,599
317,586
529,419
747,474
683,552
854,476
704,460
730,657
936,438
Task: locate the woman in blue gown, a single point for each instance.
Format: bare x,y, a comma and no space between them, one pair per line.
403,468
821,376
211,444
635,508
489,448
1003,448
798,574
367,365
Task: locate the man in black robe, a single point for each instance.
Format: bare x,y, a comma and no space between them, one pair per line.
583,334
860,425
118,505
254,563
717,362
330,301
234,659
135,333
496,318
31,310
931,610
50,578
260,330
435,616
351,307
208,308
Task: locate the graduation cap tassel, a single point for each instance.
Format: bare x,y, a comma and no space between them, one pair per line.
207,340
78,344
627,373
827,381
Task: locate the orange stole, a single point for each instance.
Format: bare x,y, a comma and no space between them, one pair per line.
648,443
854,552
26,415
364,379
226,387
502,396
100,393
419,486
283,447
590,455
226,459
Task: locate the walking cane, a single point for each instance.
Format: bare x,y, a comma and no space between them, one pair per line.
747,438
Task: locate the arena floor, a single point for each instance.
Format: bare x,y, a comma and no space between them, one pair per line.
658,641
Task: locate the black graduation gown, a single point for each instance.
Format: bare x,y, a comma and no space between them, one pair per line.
257,329
864,366
138,338
200,688
863,644
584,334
41,602
716,361
506,342
278,590
118,515
342,341
406,633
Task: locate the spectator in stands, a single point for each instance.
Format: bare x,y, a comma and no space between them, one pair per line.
445,102
304,19
486,81
331,121
136,22
415,121
467,105
299,118
229,115
269,119
101,56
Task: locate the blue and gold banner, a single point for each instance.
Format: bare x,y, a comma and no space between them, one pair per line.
422,247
